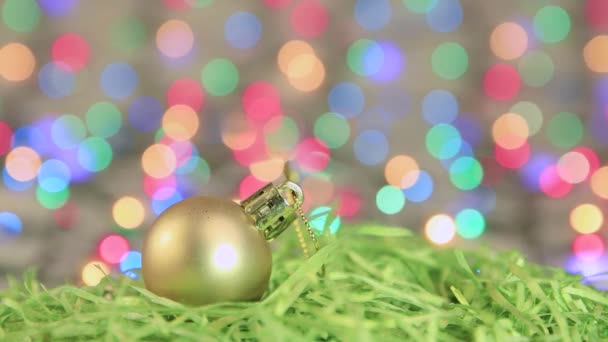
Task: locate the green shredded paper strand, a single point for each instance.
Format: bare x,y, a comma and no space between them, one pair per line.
381,284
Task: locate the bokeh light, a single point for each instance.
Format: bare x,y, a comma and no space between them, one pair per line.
371,147
443,141
346,99
372,15
595,54
145,113
54,175
450,60
309,18
444,15
551,24
510,131
10,224
552,184
509,41
21,15
565,130
586,218
22,163
440,229
390,200
312,155
130,262
128,212
466,173
180,122
94,154
93,272
536,68
103,119
243,30
599,182
333,129
17,62
501,82
186,91
531,113
56,81
573,167
70,51
439,106
588,247
470,223
57,8
398,167
421,189
159,161
220,77
118,80
174,38
112,247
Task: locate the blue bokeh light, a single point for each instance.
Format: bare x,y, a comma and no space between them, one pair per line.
446,16
145,113
422,189
373,14
346,99
371,147
118,80
10,224
54,175
439,106
243,30
56,81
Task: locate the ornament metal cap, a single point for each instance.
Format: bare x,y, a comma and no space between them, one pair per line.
269,209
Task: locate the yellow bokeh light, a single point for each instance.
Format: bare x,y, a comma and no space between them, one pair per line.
306,72
17,62
180,122
510,131
440,229
268,170
595,54
573,167
159,161
23,163
290,51
237,134
586,218
599,182
400,171
128,212
508,41
93,272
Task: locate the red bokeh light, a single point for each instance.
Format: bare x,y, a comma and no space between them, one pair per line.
152,186
592,158
349,203
512,159
249,185
186,91
6,135
276,3
552,185
70,51
588,247
67,216
254,153
112,247
261,102
596,12
501,82
177,4
309,18
312,155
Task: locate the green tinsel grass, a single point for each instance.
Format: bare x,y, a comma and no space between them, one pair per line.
380,284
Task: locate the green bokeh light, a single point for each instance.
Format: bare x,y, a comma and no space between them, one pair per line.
470,223
103,119
532,113
220,77
201,173
420,6
450,60
390,200
52,200
565,130
284,137
355,57
443,141
536,68
200,3
320,219
551,24
21,15
466,173
129,34
333,129
94,154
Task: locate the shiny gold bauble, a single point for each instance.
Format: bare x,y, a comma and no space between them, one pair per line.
204,250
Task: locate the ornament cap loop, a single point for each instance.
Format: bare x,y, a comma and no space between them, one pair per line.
270,210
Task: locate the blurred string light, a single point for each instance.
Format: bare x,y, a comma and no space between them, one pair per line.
599,182
111,248
444,15
470,223
390,200
6,136
421,189
220,77
333,129
401,171
531,113
439,106
180,122
118,80
103,119
128,34
243,30
588,247
145,113
57,8
501,82
371,147
130,262
536,69
347,99
372,15
443,141
56,80
595,53
309,18
186,91
565,130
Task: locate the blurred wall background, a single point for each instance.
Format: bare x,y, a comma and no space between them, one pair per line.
472,122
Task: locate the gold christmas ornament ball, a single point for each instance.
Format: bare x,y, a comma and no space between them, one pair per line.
204,250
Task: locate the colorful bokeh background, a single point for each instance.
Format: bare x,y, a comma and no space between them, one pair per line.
471,122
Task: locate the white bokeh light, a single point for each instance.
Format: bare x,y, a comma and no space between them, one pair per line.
225,256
